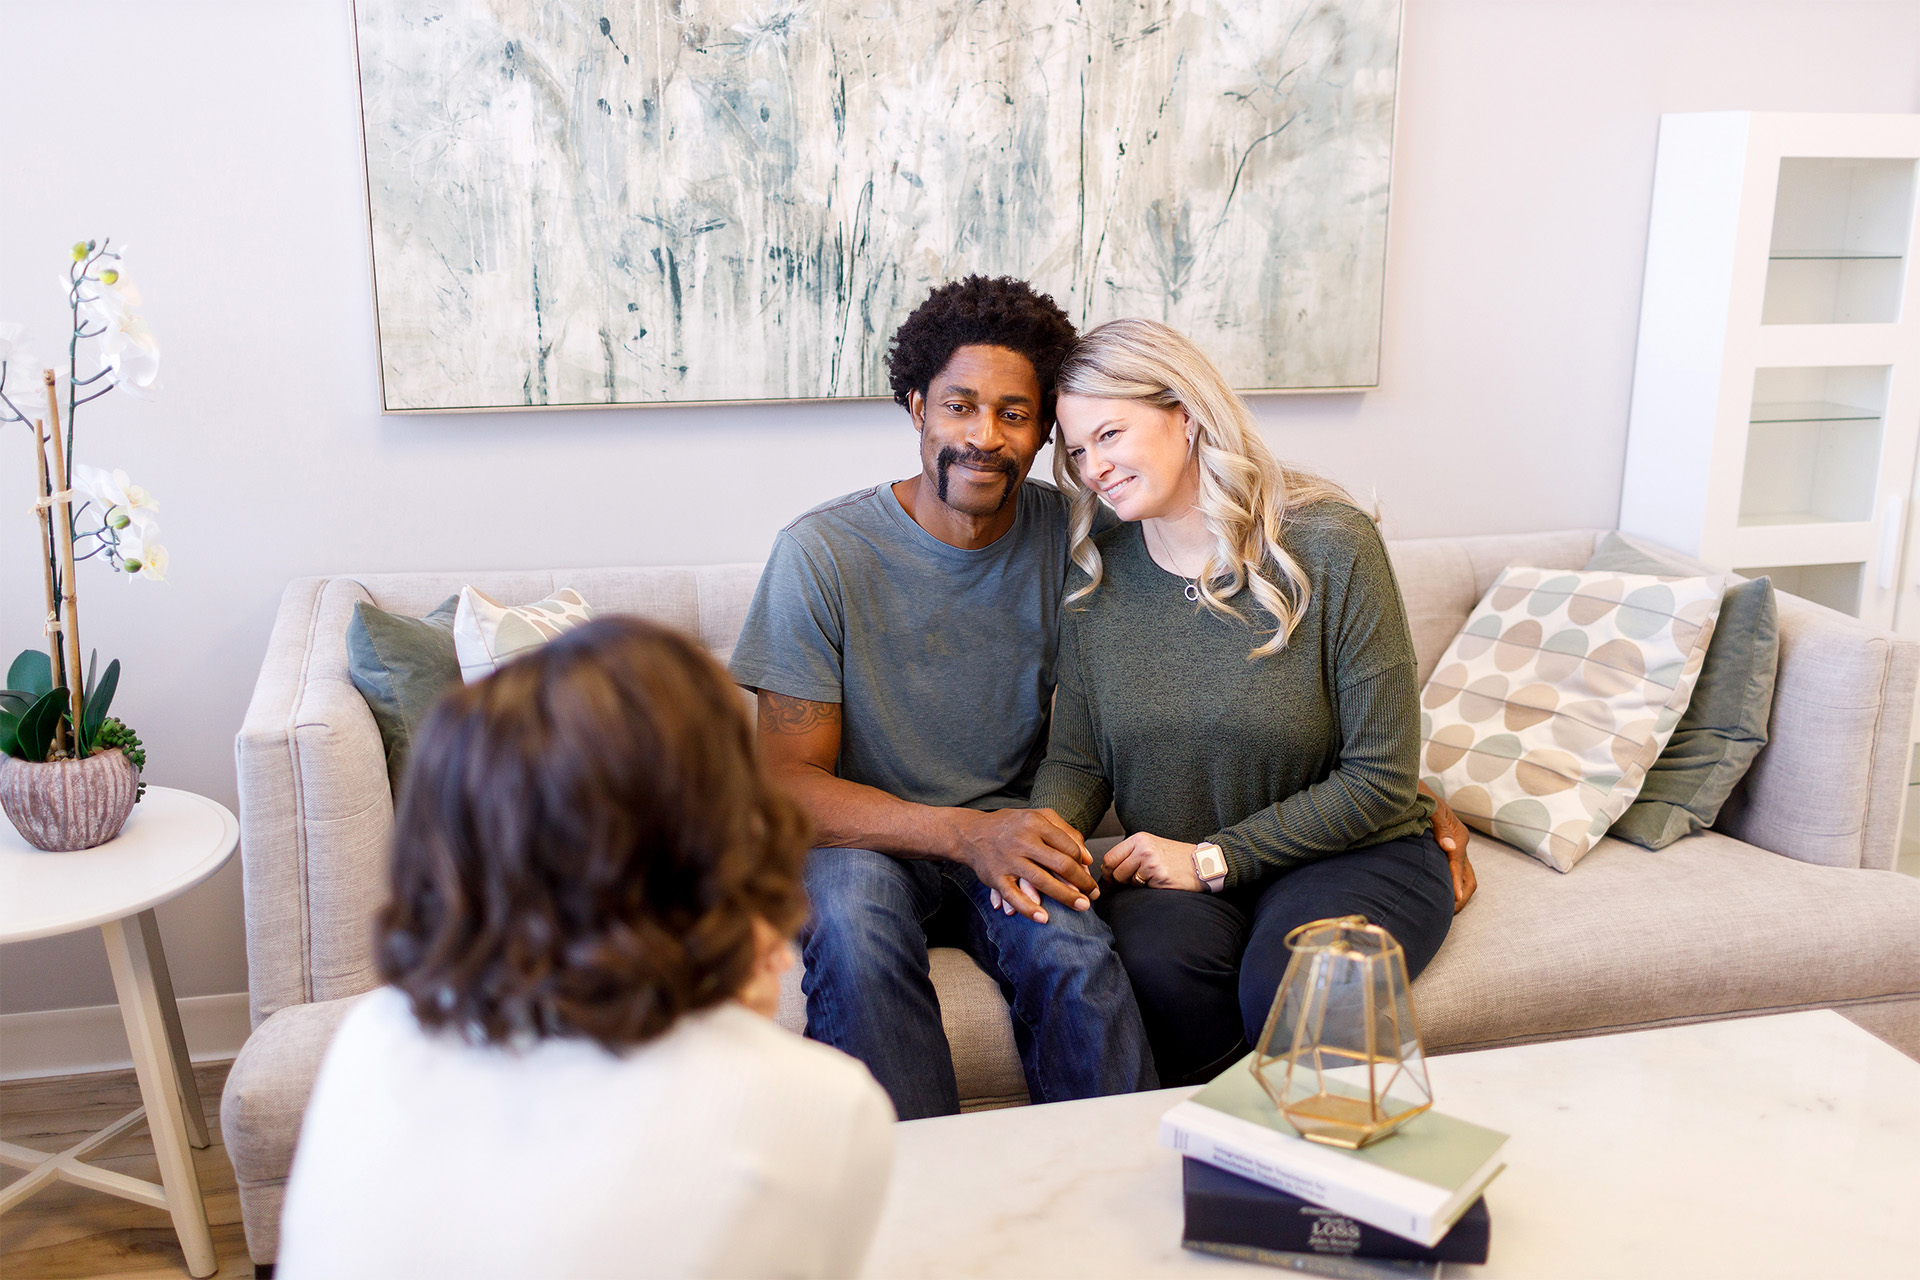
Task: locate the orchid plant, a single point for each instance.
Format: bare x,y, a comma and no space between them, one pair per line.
47,711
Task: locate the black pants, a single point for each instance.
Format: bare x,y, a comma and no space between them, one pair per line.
1205,966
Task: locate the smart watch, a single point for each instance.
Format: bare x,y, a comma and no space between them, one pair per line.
1210,864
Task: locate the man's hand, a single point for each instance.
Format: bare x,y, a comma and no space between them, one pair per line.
1144,858
1016,852
1019,854
1453,837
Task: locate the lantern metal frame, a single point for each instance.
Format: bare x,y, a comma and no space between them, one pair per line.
1343,1116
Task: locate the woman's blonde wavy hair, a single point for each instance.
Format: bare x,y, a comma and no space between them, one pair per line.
1246,494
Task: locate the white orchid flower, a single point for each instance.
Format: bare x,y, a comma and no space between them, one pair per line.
92,483
139,556
121,502
127,346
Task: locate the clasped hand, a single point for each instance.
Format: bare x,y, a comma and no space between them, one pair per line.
1022,854
1154,861
1142,858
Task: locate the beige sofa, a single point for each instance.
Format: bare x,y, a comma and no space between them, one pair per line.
1790,904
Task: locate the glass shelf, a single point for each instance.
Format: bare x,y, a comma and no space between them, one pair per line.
1785,255
1776,519
1840,232
1813,445
1811,411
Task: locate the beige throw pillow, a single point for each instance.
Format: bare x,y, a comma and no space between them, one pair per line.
1543,715
487,633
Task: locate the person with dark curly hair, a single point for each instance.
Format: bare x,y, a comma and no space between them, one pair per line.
573,1068
901,645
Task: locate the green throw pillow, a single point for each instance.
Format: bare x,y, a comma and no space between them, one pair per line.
1726,721
401,665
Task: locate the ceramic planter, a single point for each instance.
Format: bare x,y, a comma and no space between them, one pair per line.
69,804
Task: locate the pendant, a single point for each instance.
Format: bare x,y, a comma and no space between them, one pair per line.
1193,591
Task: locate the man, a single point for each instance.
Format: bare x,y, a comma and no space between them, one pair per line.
901,645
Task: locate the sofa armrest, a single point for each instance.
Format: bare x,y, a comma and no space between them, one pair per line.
1830,785
271,850
311,773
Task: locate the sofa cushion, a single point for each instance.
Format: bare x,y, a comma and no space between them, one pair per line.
1706,927
1726,721
487,633
401,666
1550,705
268,1087
262,1106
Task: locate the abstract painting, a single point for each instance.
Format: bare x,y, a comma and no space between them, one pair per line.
696,200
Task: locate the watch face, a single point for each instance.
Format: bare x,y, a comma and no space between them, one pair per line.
1212,863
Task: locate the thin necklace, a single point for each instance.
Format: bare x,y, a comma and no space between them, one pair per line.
1193,585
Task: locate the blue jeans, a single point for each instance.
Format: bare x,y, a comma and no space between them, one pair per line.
1206,966
869,992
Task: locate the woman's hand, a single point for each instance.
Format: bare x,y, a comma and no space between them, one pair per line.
1144,858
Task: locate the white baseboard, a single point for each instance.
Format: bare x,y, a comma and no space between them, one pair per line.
62,1042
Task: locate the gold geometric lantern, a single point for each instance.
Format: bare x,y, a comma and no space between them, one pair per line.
1340,1055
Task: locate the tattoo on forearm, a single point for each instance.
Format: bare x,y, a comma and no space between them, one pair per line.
784,715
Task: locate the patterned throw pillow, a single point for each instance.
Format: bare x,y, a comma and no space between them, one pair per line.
487,633
1545,712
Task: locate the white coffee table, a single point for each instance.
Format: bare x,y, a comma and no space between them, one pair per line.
173,841
1777,1146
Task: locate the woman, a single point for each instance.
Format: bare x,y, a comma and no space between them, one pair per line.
1237,676
572,1070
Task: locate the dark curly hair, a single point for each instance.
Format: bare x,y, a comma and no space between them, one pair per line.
583,842
999,312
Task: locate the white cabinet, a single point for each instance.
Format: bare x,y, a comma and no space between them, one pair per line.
1776,388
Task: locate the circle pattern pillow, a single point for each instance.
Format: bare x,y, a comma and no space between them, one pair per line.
1544,714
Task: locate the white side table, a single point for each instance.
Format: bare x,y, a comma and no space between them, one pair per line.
173,841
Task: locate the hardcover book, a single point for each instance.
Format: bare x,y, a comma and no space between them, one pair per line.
1414,1183
1225,1208
1323,1264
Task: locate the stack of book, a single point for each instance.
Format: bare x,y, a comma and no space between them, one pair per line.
1406,1205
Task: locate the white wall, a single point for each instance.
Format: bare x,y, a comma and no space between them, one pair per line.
220,141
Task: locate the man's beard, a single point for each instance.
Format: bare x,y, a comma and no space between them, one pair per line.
949,456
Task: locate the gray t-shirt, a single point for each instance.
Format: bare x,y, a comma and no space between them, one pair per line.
941,659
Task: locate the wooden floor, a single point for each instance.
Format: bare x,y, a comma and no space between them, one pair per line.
66,1232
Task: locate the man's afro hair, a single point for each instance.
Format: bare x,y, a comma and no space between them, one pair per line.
999,312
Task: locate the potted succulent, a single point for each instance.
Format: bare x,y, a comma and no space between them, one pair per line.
69,772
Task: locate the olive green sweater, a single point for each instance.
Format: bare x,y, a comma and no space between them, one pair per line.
1279,759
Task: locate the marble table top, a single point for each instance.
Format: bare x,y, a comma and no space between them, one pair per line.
1776,1146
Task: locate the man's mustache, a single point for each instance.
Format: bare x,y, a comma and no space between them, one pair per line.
951,456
